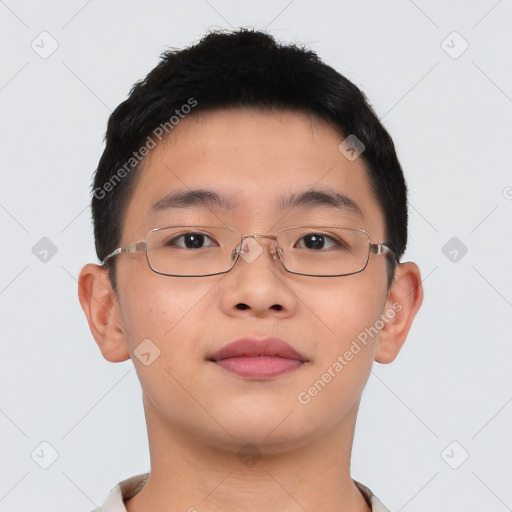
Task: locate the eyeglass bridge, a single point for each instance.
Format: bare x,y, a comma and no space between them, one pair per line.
240,250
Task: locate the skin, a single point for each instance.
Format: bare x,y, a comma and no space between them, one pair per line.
199,416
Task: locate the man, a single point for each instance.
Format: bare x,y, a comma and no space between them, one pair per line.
250,213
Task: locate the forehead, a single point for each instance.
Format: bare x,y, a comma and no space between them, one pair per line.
247,166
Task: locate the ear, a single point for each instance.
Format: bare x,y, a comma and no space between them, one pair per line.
404,300
101,307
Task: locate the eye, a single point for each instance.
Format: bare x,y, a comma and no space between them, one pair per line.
190,240
321,240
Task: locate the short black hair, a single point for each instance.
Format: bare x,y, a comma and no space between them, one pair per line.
239,68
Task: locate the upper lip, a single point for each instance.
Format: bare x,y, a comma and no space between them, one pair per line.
252,347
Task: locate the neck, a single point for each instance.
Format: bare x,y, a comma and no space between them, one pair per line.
188,473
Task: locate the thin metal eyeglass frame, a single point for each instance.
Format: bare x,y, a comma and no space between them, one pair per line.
376,248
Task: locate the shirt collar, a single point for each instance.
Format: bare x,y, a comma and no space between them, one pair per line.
128,488
372,500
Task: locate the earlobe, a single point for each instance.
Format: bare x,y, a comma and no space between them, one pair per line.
101,307
404,300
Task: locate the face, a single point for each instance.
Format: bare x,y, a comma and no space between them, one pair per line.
254,158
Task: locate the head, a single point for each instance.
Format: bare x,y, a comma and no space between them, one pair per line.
241,69
254,121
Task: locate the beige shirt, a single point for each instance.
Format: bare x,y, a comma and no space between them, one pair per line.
131,486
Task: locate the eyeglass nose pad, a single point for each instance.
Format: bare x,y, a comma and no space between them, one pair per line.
277,252
237,251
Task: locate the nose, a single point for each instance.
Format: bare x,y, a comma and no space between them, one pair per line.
254,289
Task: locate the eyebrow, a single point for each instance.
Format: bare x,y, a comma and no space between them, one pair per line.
198,198
207,198
314,197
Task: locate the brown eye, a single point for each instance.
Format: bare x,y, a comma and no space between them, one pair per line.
318,241
189,241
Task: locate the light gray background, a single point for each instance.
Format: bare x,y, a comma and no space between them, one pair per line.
450,120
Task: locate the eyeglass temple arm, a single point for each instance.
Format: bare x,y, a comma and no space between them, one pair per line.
381,249
135,247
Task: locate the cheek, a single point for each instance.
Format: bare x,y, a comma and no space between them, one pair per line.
343,310
162,327
347,318
164,310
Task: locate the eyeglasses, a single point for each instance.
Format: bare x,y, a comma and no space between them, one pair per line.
196,251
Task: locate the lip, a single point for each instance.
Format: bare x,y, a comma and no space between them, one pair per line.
258,358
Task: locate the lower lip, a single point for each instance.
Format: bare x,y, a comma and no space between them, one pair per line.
258,367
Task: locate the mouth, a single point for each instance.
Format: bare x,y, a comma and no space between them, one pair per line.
258,359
